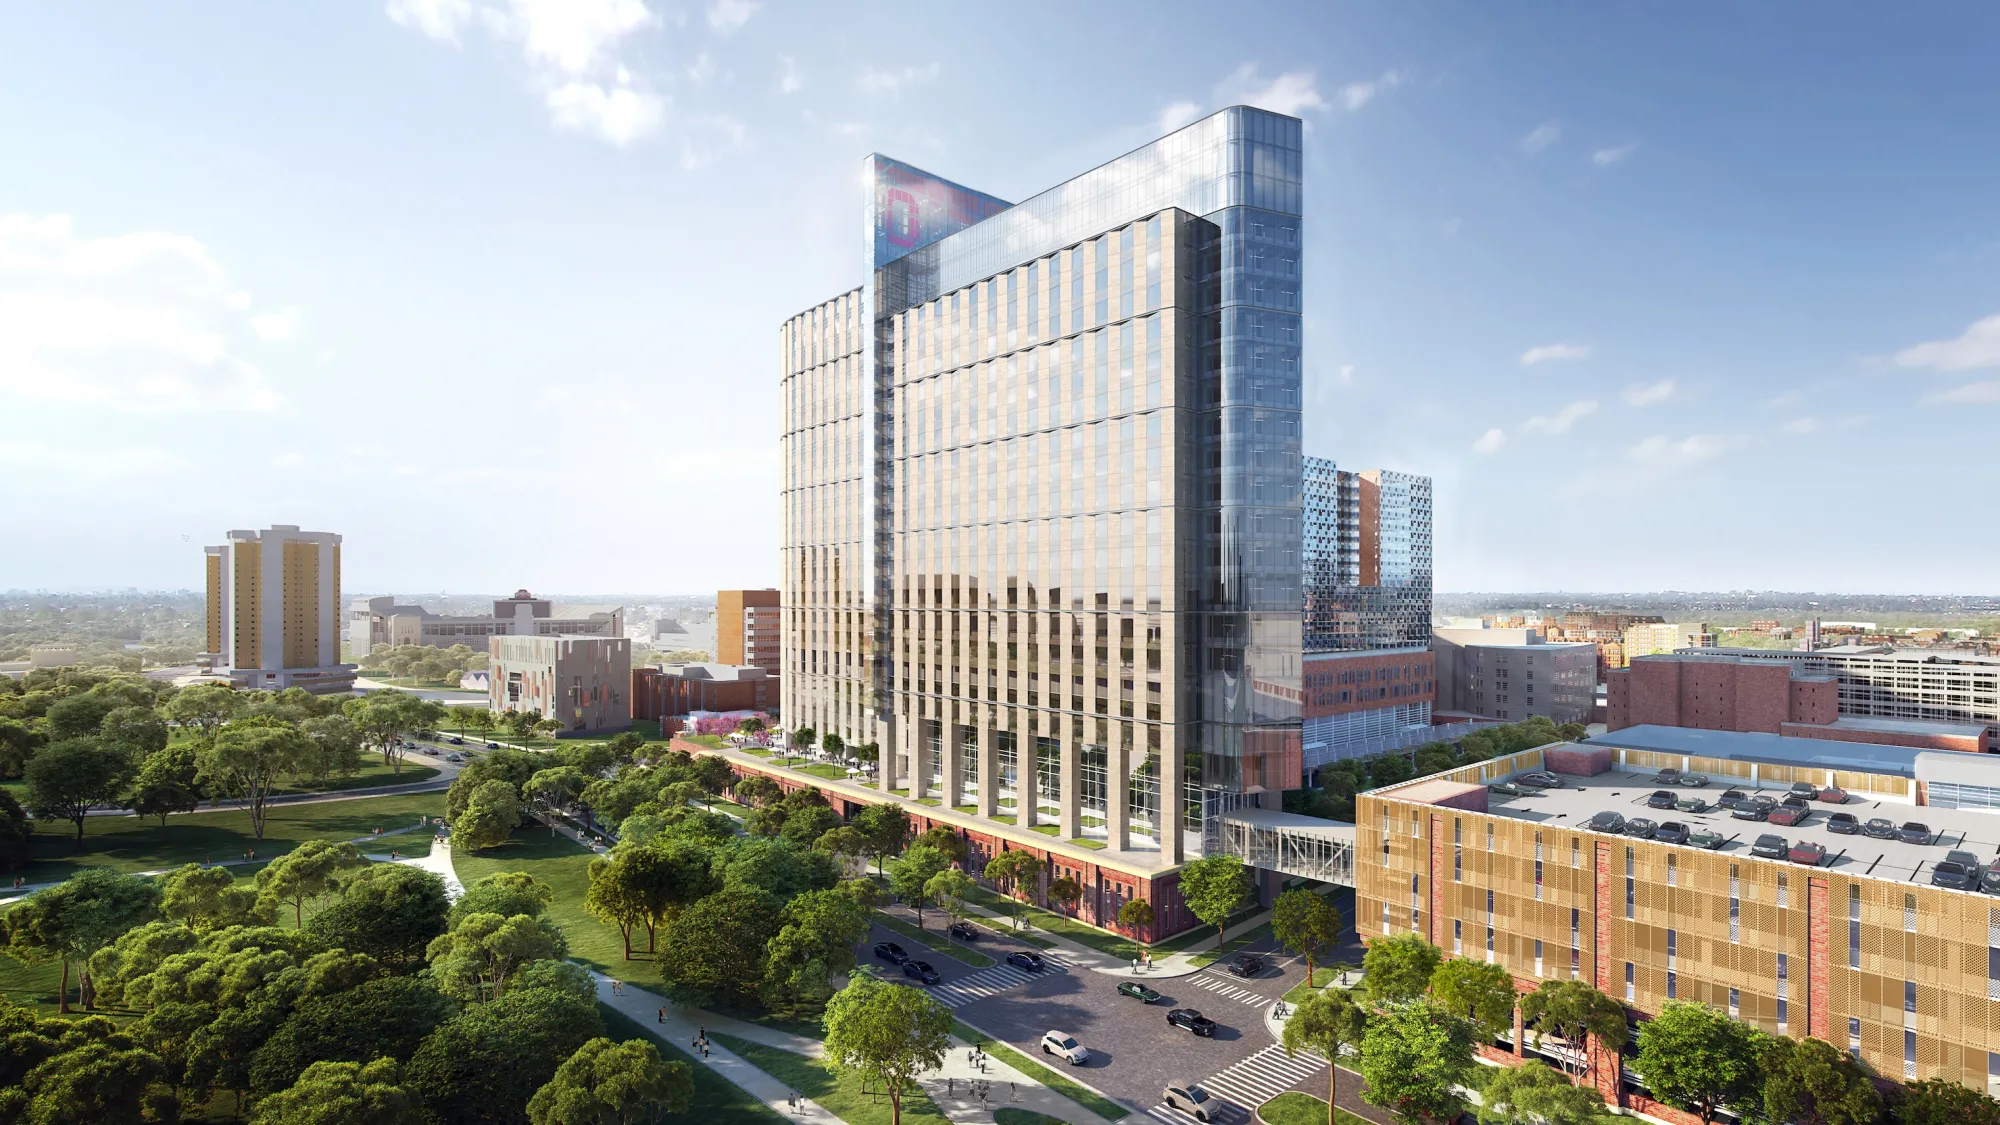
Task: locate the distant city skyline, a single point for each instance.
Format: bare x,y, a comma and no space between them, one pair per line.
1644,330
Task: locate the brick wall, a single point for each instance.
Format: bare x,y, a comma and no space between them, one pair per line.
1578,761
1887,738
1815,701
1818,995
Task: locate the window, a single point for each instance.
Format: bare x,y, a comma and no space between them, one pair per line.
1735,1004
1673,871
1910,913
1783,890
1631,990
1538,956
1784,993
1416,899
1854,925
1909,1053
1457,936
1735,906
1854,1037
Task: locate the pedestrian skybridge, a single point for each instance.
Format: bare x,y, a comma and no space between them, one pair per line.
1280,841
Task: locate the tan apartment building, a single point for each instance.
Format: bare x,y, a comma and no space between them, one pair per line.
273,610
748,629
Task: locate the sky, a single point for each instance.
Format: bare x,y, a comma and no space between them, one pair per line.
1696,296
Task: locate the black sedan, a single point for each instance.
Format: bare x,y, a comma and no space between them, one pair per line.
1771,847
1606,822
1246,965
1641,827
921,970
1749,810
1880,828
1672,832
1914,832
1662,799
1730,797
1844,823
1949,873
963,931
1029,961
1192,1020
891,952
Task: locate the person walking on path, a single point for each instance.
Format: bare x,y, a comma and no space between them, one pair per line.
662,1016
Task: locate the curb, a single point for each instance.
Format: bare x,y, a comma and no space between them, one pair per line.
1135,1113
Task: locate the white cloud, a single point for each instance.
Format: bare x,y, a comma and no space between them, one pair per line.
439,19
703,69
1969,393
1345,376
279,327
1177,115
889,81
1616,154
1290,93
1490,441
1562,420
1665,453
789,81
573,37
137,322
68,460
1354,95
618,114
710,137
1646,394
1976,348
1547,353
1541,137
725,16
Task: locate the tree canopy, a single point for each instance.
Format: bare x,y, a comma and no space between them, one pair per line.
890,1033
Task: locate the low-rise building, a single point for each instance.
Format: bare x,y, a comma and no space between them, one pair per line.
670,690
1657,637
582,682
1513,674
1362,703
379,621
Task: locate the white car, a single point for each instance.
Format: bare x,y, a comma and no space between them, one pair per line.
1192,1100
1065,1045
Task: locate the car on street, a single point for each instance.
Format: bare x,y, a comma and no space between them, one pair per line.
1540,779
963,931
1138,992
1192,1020
1770,847
457,741
1879,828
1029,961
1641,827
1661,799
1191,1100
1833,795
1606,822
1064,1046
1691,804
1790,813
1805,789
1671,832
891,952
431,750
1914,832
493,746
1808,853
1954,874
1246,965
1749,810
1508,789
921,970
1844,823
454,756
1705,838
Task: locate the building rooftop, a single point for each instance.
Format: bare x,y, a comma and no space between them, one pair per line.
1625,793
1775,749
1908,726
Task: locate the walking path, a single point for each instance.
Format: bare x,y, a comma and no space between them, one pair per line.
1178,964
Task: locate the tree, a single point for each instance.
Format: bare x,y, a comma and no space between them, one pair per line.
910,876
332,748
1813,1082
248,759
168,783
949,889
478,958
15,832
815,940
945,839
386,1016
221,1052
1399,967
614,896
1215,887
505,893
1329,1022
307,873
77,716
668,876
804,737
384,719
554,790
390,911
888,1033
758,790
1695,1058
834,746
1066,892
714,950
104,1081
207,898
482,1066
884,827
202,708
1576,1013
751,725
344,1093
491,817
1413,1057
845,842
73,920
1307,924
139,731
18,742
805,826
606,1083
1938,1101
1010,869
1482,993
1136,915
66,779
1535,1094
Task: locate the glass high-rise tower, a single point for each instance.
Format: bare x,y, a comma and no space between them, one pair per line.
1042,494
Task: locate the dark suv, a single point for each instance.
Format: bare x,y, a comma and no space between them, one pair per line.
1914,832
1671,832
891,952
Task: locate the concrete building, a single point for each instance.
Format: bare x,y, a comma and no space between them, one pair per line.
582,682
1881,682
1512,674
274,610
1041,501
669,690
1859,950
748,629
379,621
1718,692
1651,638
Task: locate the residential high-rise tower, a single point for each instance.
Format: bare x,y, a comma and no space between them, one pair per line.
274,610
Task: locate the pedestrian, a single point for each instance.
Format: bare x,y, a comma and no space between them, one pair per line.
662,1017
1135,966
950,1086
701,1032
1013,1092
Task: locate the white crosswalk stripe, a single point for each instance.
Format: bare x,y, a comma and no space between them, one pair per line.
1222,1113
1222,987
989,982
1249,1084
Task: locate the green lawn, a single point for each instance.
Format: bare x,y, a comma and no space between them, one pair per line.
372,772
1079,932
1236,942
934,941
1294,1108
823,770
1013,1115
129,843
715,1097
846,1096
564,865
1094,1102
712,741
1300,992
1182,940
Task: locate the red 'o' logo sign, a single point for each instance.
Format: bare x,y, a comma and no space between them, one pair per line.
900,228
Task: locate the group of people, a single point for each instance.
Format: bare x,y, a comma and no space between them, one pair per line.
979,1087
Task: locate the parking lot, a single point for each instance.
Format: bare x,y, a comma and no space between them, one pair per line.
1626,793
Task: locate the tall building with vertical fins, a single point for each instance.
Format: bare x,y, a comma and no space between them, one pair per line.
1041,501
274,610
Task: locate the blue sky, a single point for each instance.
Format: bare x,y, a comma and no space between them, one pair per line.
1695,297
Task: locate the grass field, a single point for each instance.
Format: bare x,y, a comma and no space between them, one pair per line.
1094,1102
1060,925
715,1097
129,843
1014,1115
845,1096
372,773
564,865
1300,992
1295,1108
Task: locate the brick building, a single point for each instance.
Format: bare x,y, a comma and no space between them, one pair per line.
1362,703
669,690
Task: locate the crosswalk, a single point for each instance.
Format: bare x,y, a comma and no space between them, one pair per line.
990,982
1222,986
1248,1084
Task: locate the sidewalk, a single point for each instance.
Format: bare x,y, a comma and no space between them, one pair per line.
1179,964
951,1087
